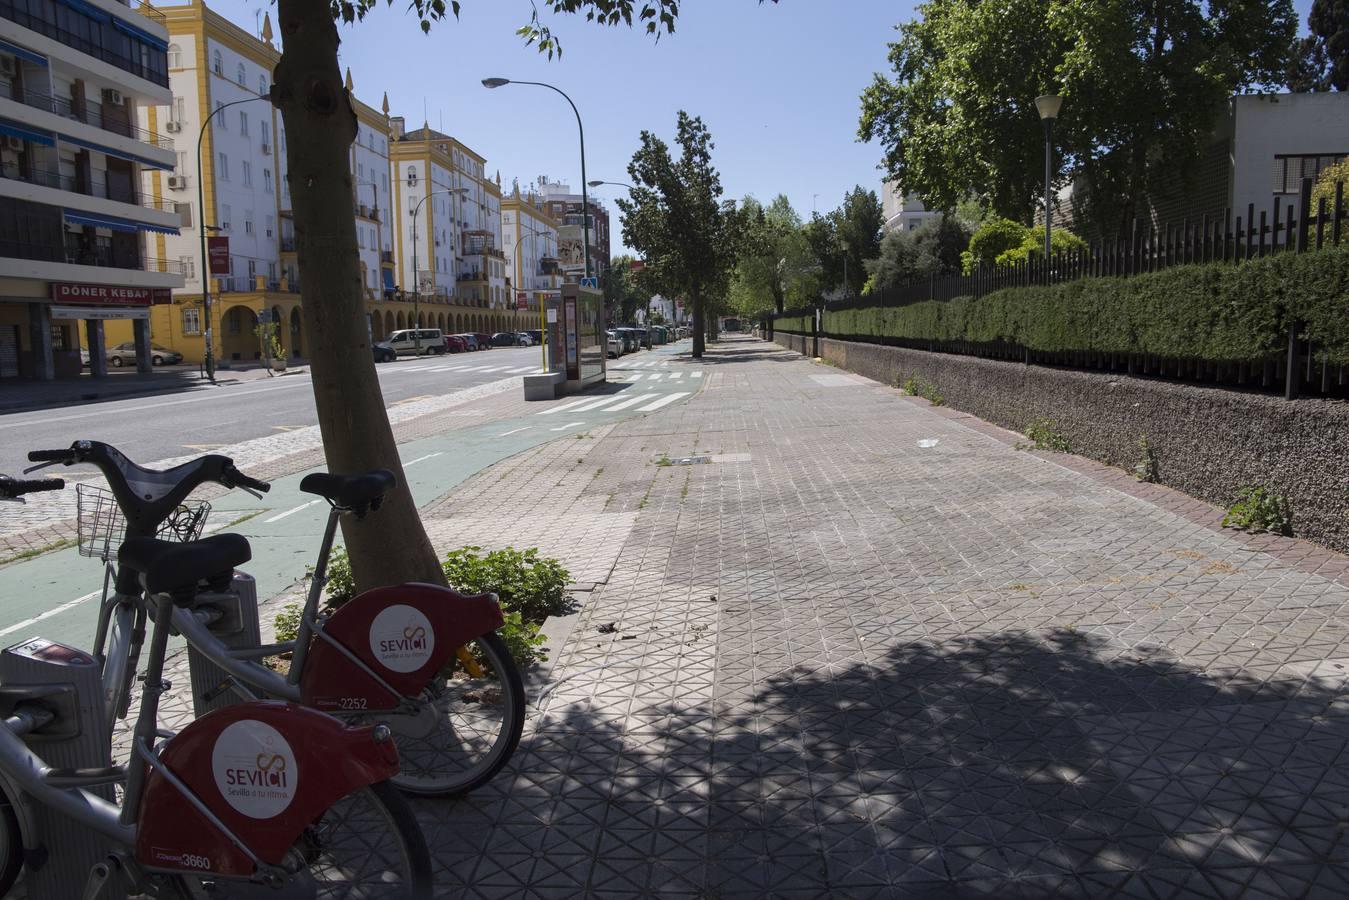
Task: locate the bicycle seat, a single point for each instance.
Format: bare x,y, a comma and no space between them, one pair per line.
170,567
350,491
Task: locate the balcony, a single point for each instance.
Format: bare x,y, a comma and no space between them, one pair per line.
362,211
386,256
73,252
90,112
288,245
95,36
97,187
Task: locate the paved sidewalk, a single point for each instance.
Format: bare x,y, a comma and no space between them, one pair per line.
870,649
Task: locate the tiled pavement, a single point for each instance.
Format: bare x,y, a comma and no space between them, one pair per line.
872,650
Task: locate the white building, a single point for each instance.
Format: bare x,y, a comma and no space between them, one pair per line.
72,208
903,212
529,238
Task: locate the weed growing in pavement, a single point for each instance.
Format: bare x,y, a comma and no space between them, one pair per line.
920,388
288,622
1258,509
1146,467
1044,437
664,461
37,551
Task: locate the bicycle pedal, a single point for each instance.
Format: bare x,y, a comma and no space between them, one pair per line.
105,881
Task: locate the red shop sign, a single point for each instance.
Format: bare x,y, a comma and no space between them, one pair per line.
109,295
218,252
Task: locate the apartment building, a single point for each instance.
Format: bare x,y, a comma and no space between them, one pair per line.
529,239
449,253
565,207
903,212
74,79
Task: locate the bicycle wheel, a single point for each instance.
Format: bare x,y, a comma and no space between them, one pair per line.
11,845
365,846
467,725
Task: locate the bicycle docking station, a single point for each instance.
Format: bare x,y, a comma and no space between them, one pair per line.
235,624
69,683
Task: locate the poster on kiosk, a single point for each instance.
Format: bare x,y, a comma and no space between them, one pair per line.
576,337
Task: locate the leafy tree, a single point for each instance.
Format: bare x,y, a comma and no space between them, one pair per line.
821,237
857,226
1325,186
774,262
933,248
1060,241
675,216
1328,42
1142,82
624,292
307,88
992,239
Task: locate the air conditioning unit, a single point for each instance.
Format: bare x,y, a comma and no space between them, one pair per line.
13,143
173,127
113,96
177,183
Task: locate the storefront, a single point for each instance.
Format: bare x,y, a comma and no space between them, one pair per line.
40,337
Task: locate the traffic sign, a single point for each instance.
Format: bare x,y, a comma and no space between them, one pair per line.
591,282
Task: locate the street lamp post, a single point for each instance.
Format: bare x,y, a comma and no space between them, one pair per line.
614,183
543,322
416,284
491,83
1048,106
201,226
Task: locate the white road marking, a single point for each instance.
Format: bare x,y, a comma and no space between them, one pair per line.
596,404
675,376
422,459
495,369
655,376
642,398
668,398
695,374
523,369
565,427
515,431
635,377
51,612
290,512
549,412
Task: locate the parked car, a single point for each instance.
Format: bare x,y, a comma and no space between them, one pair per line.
535,335
383,352
125,353
455,343
411,341
484,340
644,337
470,340
525,339
631,344
615,344
505,339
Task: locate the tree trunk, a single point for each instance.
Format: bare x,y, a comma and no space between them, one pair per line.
698,342
389,546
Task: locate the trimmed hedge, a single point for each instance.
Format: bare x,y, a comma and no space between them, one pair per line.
1213,312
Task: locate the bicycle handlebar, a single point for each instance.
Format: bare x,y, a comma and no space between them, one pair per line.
16,487
66,456
232,478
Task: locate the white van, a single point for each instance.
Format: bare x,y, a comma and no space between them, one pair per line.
404,342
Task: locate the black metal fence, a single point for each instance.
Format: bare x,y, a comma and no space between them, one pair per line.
1235,237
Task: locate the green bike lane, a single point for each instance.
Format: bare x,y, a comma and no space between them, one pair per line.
56,595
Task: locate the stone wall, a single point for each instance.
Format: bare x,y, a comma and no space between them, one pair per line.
1208,442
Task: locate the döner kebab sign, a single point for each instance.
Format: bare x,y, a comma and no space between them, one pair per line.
109,295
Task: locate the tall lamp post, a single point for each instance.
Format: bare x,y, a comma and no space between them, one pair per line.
201,223
416,284
1048,105
623,184
491,83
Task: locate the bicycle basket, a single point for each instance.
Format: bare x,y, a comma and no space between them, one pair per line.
100,524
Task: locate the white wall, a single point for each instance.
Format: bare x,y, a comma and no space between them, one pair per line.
1267,125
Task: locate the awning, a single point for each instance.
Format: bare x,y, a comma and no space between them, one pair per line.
115,223
88,9
388,279
120,154
132,31
22,53
13,129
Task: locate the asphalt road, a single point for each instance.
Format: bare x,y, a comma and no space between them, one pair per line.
151,428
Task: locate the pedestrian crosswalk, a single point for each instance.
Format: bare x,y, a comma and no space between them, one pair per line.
481,370
616,402
654,376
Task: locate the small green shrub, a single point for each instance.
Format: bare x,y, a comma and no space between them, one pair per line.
288,622
1258,509
925,389
522,639
525,583
1044,437
1146,467
341,586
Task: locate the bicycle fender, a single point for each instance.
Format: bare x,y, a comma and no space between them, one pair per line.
267,770
406,633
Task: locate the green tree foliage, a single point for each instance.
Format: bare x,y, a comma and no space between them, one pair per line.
1060,241
1142,82
775,269
624,290
1321,59
1325,186
857,228
934,248
675,217
826,254
1002,241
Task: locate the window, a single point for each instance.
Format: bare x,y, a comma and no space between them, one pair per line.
262,85
267,180
175,56
224,167
360,170
248,173
385,177
412,204
412,175
224,222
178,111
218,65
189,266
1290,170
252,270
243,123
360,238
248,222
242,77
191,320
225,125
266,135
271,226
181,168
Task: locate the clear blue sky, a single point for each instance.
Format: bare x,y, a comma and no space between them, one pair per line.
777,84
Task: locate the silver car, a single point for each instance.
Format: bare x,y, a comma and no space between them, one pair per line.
125,353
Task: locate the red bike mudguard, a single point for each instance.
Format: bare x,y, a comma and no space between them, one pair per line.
267,770
406,633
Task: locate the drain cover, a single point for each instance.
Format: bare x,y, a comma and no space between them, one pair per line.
690,460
